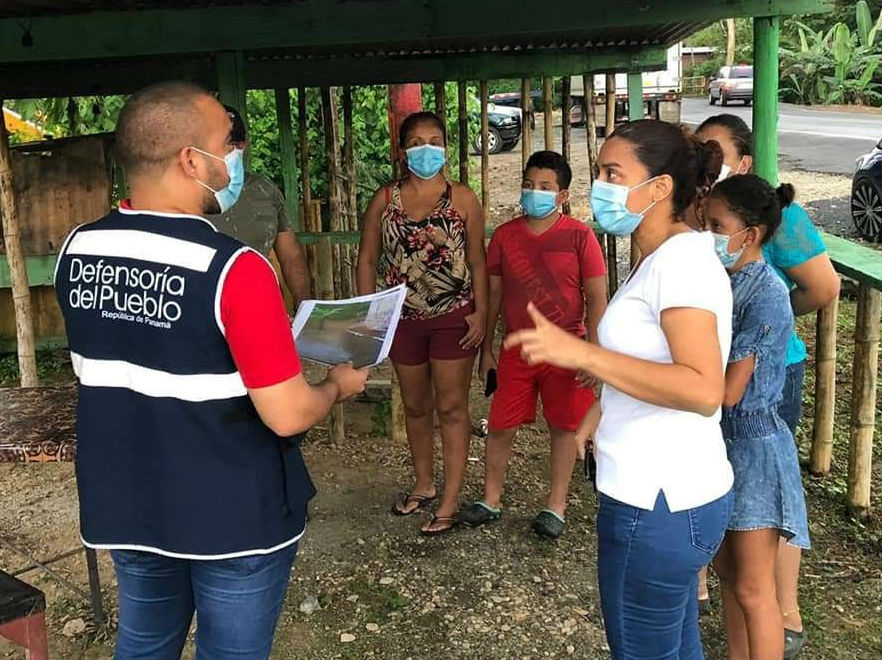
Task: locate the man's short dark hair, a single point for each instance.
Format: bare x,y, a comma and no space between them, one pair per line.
156,123
551,160
238,133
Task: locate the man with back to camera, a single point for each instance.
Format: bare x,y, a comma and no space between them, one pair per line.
190,392
260,220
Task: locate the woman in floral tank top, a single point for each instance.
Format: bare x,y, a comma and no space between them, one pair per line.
428,233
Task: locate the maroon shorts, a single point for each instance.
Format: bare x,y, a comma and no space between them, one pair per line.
437,338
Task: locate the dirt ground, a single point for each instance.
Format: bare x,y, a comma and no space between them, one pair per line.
384,592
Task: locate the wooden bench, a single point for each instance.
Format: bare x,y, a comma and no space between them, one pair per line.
23,616
38,425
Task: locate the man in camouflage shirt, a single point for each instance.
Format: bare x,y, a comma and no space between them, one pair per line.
260,220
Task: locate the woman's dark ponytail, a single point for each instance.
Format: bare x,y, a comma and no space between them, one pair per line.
754,201
785,194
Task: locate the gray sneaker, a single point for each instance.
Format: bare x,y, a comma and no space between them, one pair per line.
793,643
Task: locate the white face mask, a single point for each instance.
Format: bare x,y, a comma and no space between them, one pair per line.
725,171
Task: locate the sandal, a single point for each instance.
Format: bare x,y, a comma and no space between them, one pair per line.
404,500
480,513
548,524
448,522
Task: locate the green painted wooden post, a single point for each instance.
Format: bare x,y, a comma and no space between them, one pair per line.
766,32
288,155
635,96
231,80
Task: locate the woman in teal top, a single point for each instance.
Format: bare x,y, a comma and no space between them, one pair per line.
797,254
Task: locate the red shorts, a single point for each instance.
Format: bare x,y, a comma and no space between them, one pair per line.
418,341
564,402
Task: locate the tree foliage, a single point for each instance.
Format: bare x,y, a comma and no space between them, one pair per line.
64,117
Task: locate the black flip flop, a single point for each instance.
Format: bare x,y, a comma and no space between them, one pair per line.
451,522
404,499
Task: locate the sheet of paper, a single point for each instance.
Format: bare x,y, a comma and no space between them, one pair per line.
357,330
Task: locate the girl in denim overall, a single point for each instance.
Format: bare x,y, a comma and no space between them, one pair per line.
743,212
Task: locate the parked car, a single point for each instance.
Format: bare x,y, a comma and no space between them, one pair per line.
504,130
732,83
866,194
513,100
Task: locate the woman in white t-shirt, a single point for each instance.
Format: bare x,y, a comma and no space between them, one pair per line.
662,472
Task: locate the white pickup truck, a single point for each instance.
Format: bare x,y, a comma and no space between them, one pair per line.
661,94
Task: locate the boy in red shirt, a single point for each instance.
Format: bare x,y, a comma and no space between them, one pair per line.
554,261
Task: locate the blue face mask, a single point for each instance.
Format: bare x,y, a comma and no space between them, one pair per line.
609,204
721,247
229,194
538,203
426,160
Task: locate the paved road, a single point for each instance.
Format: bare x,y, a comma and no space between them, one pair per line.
808,139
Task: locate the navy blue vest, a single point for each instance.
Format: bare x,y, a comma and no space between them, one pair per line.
171,454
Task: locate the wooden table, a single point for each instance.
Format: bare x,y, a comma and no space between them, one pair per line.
38,425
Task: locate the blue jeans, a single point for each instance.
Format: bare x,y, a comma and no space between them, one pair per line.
237,604
647,565
790,408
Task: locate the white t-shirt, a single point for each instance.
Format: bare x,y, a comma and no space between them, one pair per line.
643,448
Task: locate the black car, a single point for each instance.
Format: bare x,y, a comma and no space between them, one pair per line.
504,129
866,194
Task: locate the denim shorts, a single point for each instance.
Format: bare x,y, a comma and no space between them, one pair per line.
790,408
768,482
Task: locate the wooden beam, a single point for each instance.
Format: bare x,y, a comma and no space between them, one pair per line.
124,77
463,132
766,32
288,155
548,112
353,24
21,293
485,149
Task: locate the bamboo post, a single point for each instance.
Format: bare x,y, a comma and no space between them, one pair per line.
485,149
565,137
526,122
349,251
303,134
349,161
766,38
612,265
463,132
548,112
825,389
610,105
863,401
635,251
336,210
590,114
336,424
21,293
441,102
288,154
